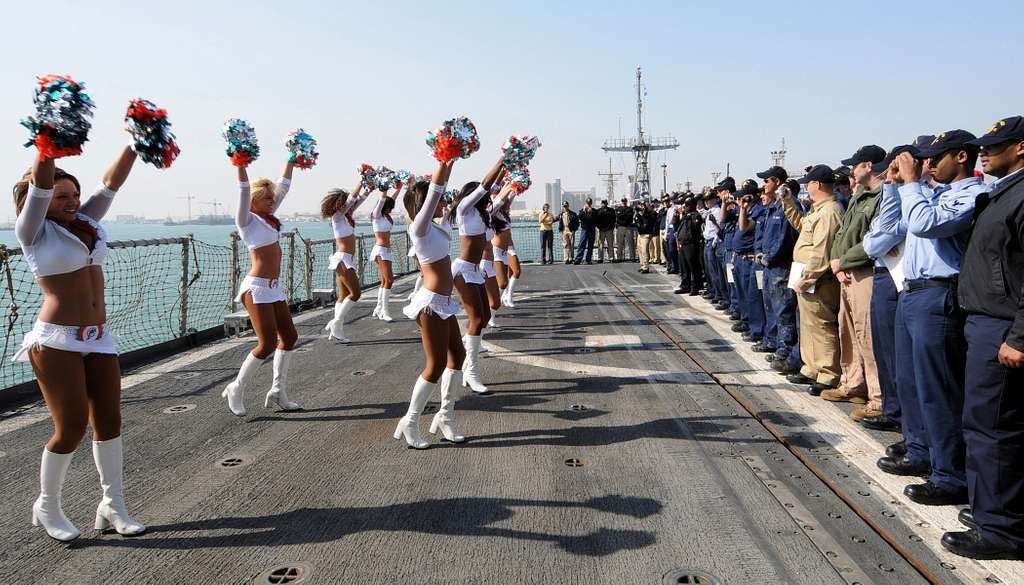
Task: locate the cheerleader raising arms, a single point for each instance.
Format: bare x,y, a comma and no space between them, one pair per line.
340,206
73,354
381,253
261,289
433,308
473,221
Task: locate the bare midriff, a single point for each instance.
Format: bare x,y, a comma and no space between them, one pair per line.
346,244
437,276
74,298
266,261
382,239
472,248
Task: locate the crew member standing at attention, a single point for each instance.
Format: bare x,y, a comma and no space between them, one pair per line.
668,217
929,323
884,242
605,232
817,291
625,232
568,223
855,271
712,266
588,230
689,241
992,293
751,301
776,257
547,236
647,226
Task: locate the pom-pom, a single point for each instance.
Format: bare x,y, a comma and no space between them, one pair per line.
302,147
154,141
404,178
368,177
63,117
519,179
242,145
457,138
518,151
385,178
449,196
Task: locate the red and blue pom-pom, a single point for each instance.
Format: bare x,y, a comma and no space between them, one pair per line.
404,178
385,178
518,151
457,138
519,179
63,117
243,148
154,142
368,177
302,147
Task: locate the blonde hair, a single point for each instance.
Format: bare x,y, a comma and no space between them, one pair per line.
263,189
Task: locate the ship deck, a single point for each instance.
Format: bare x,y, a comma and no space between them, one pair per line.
631,438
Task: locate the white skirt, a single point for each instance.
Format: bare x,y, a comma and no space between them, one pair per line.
378,250
427,301
264,290
84,340
345,258
487,267
470,272
500,255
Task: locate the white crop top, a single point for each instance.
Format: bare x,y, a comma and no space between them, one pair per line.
380,221
339,223
49,247
431,241
254,230
469,220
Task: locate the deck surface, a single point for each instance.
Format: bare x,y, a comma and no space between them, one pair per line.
697,458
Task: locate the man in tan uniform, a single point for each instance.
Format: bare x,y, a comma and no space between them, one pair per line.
568,223
816,287
855,271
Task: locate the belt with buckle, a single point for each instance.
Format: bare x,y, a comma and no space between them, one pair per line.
881,270
919,283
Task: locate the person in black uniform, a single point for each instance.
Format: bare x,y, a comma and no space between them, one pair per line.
689,230
991,291
625,232
588,227
605,219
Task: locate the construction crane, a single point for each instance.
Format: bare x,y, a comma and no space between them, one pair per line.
216,206
641,146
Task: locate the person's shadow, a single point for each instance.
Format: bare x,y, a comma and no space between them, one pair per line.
600,436
453,516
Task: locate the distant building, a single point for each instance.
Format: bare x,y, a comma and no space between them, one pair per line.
518,205
129,219
554,195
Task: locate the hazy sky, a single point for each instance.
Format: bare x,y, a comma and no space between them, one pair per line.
369,79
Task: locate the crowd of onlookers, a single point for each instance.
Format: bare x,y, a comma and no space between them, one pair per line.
894,282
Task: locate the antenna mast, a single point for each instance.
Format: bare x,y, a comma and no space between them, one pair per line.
609,180
641,146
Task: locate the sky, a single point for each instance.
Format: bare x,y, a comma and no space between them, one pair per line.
729,80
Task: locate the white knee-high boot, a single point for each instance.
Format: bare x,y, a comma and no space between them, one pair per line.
385,308
235,391
111,512
470,372
494,315
376,310
47,510
445,417
278,391
509,291
416,287
409,425
336,326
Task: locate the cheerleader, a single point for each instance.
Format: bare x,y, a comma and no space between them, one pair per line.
434,309
490,280
339,206
381,253
261,292
473,219
72,351
506,261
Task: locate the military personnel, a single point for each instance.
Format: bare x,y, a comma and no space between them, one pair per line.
991,287
815,285
751,301
776,257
